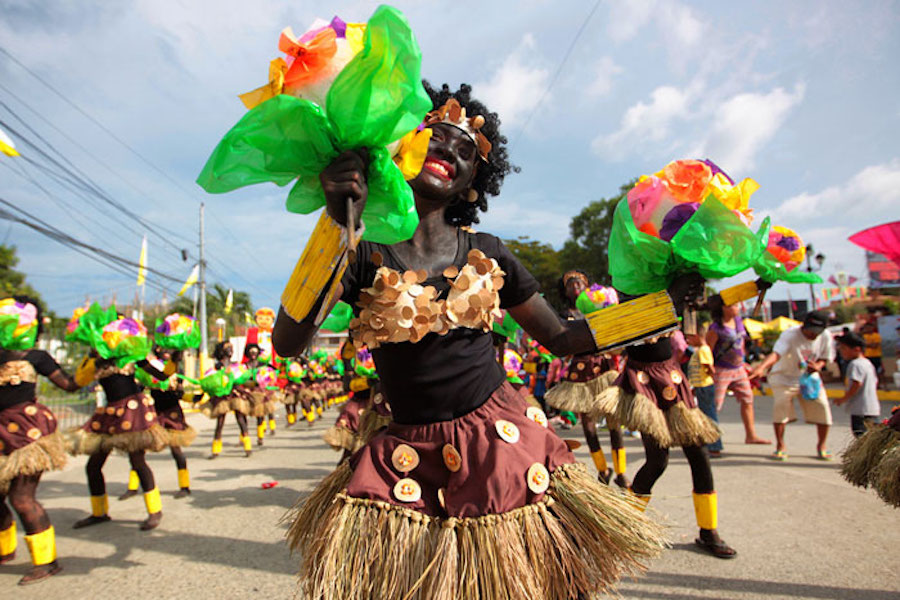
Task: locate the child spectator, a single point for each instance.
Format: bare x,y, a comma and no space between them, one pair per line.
700,370
861,395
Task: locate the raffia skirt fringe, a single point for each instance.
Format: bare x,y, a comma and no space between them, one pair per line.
47,453
579,540
152,439
873,459
580,397
679,425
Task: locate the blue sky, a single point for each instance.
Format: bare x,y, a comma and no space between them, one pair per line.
802,96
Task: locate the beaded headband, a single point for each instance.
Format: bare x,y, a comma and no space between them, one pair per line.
452,113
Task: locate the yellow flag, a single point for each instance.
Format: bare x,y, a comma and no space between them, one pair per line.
229,302
142,263
191,280
7,146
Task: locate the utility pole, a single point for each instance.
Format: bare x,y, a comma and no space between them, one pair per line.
204,337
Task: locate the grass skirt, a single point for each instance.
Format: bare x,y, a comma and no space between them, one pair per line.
486,533
873,459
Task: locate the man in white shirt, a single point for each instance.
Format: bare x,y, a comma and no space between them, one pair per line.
805,348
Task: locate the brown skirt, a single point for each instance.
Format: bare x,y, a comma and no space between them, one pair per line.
656,399
488,505
180,433
237,401
29,442
129,424
291,393
873,459
587,378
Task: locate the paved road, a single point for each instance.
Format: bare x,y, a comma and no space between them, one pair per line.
802,533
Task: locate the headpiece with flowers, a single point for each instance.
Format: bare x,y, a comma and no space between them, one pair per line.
18,324
177,332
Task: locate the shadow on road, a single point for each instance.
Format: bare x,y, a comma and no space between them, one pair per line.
768,589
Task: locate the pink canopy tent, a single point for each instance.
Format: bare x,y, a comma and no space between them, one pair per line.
883,239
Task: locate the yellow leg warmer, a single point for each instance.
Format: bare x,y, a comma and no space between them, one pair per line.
100,505
217,447
245,440
184,479
133,481
291,418
706,507
42,547
619,462
642,500
271,424
310,416
261,431
8,540
153,501
319,410
599,460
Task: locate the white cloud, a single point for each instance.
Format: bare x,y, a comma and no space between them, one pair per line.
643,122
605,70
676,23
745,123
517,86
875,189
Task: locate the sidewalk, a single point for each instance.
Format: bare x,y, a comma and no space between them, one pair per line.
802,533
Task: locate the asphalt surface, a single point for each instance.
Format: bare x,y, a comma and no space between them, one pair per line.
800,530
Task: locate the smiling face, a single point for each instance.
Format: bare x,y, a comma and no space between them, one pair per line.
449,165
574,287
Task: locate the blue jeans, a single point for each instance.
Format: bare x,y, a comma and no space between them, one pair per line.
706,400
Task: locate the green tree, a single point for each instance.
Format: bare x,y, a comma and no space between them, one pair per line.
216,296
588,245
13,282
541,260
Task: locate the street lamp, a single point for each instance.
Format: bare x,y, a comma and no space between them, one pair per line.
820,260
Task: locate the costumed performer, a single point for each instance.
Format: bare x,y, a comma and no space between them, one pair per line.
873,459
29,441
128,422
468,492
587,375
221,388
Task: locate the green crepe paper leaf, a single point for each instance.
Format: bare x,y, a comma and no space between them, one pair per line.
90,325
585,305
364,372
715,242
276,141
378,97
149,381
179,341
517,380
217,384
771,269
639,263
375,100
10,341
338,367
508,327
128,351
243,377
338,319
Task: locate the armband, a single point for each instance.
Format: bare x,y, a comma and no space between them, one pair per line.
319,269
632,321
739,293
84,375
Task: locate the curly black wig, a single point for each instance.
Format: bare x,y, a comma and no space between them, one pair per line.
488,177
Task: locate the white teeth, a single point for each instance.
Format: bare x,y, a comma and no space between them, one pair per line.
438,167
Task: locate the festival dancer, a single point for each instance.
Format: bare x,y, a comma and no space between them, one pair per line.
424,495
29,442
290,374
224,398
587,376
128,422
257,387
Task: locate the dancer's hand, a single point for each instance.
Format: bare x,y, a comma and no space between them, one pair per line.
345,178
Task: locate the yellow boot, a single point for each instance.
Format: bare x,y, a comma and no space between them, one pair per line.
133,483
8,543
154,509
291,418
